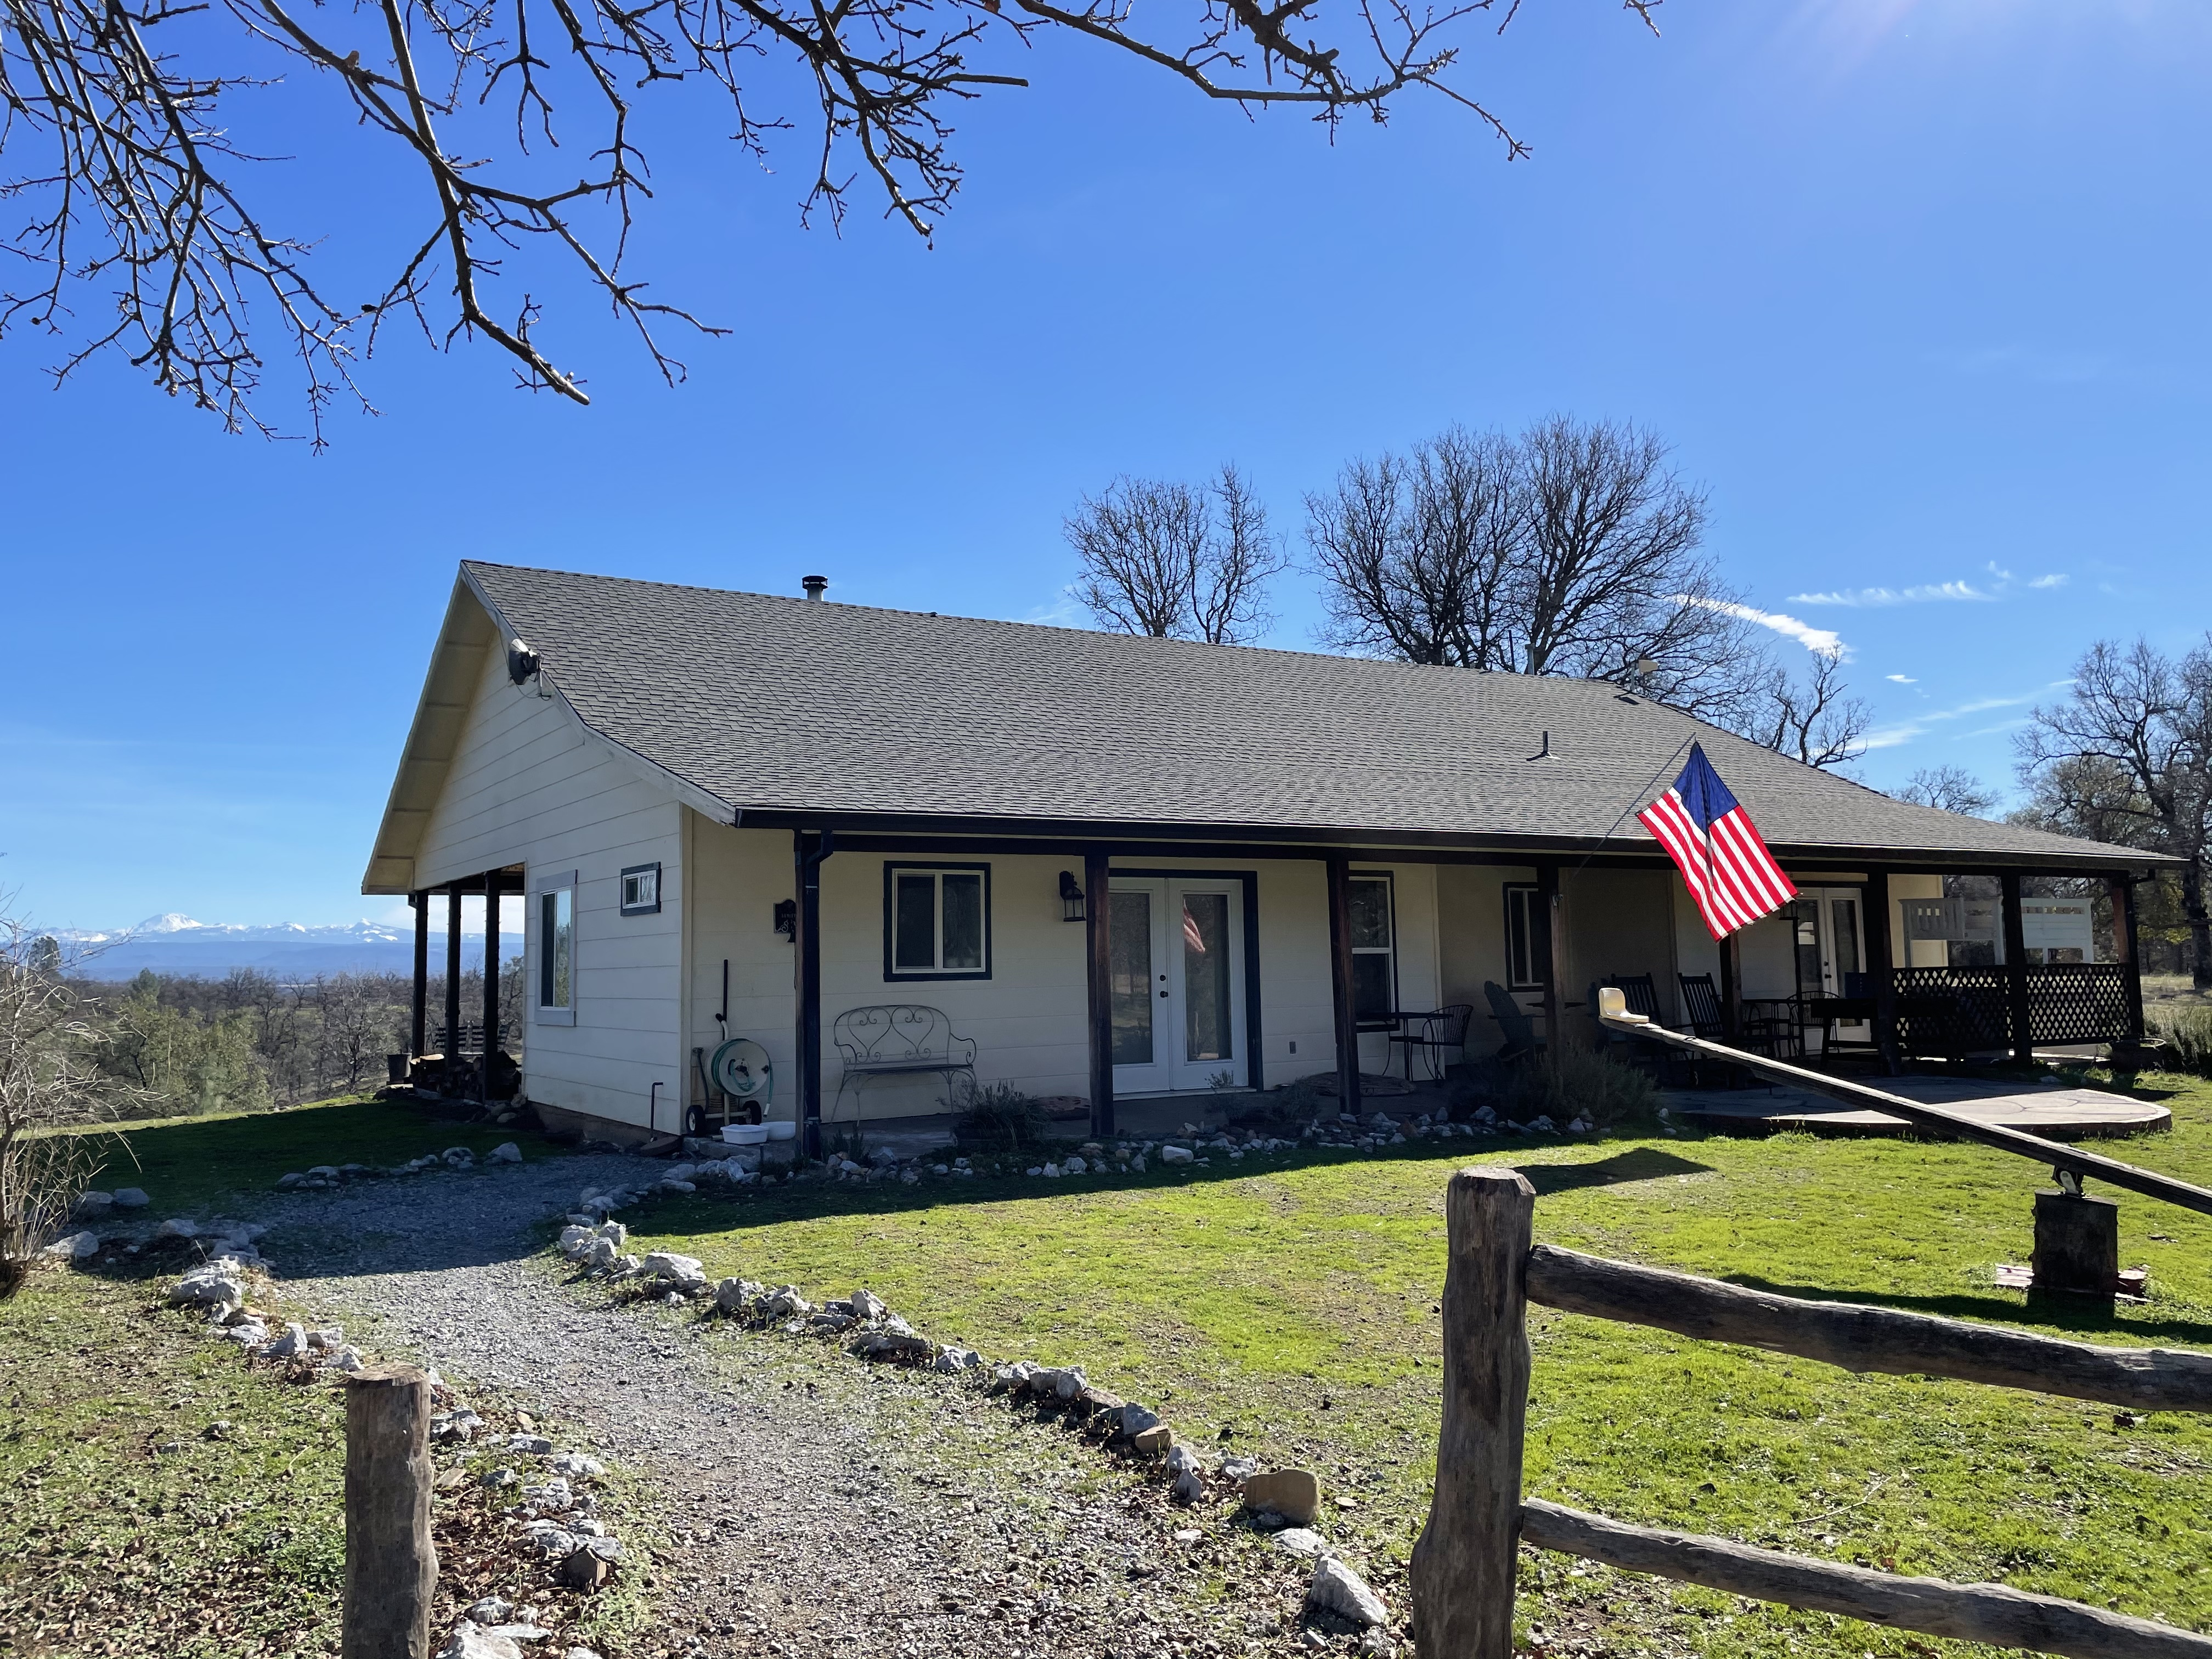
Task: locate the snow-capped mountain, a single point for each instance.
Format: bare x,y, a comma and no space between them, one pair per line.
174,944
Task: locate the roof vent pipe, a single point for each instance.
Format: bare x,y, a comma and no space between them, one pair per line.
814,584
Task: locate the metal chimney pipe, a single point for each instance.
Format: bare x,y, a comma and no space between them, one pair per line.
814,584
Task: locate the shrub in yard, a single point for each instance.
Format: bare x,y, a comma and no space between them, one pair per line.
2187,1033
999,1117
1567,1082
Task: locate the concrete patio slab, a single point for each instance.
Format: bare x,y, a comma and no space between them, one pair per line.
2059,1111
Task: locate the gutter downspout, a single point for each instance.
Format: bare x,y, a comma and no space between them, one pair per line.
809,849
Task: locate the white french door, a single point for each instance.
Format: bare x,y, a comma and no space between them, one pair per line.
1177,983
1831,939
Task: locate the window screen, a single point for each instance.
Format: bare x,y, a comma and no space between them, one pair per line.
936,922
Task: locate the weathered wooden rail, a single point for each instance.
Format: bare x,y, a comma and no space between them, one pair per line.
1463,1566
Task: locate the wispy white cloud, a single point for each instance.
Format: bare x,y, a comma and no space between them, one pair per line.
1901,679
1903,731
1922,594
2055,580
1820,641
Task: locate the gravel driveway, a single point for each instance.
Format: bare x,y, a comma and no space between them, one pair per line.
817,1505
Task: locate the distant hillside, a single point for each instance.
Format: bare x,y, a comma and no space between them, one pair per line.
197,949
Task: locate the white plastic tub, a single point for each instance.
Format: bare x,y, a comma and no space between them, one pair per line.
747,1134
780,1130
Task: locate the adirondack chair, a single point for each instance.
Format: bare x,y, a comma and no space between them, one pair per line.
1701,1004
1513,1022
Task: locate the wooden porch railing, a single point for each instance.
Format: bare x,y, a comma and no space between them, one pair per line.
1463,1566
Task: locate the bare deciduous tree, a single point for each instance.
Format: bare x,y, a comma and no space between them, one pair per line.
47,1082
1813,718
1952,788
137,201
1176,561
1420,556
2128,758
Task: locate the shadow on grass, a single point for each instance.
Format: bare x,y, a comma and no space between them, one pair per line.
812,1200
2083,1314
1637,1163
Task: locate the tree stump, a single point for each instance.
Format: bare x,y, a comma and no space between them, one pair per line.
2077,1243
391,1566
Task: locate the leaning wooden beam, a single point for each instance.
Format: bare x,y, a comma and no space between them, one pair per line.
1613,1011
1993,1614
1861,1338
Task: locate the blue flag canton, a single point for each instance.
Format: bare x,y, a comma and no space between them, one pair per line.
1704,797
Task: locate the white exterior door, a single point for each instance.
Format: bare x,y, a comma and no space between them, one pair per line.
1831,935
1177,983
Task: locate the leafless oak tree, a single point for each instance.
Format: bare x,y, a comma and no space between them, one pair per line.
137,203
2128,758
1811,718
1176,561
1573,550
1952,788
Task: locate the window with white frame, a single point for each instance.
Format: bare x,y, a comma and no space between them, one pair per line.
1528,938
1374,945
937,921
640,890
554,908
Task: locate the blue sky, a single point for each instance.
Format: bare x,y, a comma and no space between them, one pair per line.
1915,287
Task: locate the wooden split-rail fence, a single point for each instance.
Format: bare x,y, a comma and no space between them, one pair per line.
1463,1567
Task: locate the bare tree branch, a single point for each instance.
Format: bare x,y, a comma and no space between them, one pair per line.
128,196
1176,561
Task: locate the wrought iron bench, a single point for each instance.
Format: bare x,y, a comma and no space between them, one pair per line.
901,1039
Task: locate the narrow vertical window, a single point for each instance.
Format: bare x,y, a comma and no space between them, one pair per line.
1528,938
1374,947
556,953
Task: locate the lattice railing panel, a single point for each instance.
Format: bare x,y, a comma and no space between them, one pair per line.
1959,1011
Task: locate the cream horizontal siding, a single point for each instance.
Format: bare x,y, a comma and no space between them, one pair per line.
529,786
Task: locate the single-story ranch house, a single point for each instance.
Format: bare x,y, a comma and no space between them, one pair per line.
907,854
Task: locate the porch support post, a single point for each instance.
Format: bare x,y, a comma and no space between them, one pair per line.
1098,975
490,984
1731,989
1340,965
1881,966
450,1048
2015,950
417,1012
1552,897
809,849
2123,889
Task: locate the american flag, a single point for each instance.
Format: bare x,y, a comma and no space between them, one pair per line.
1727,868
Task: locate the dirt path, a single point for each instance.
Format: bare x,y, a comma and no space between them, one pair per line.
816,1506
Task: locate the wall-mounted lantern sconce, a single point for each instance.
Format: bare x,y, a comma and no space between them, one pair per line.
1070,897
787,919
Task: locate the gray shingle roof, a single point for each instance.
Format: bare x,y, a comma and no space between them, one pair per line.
776,703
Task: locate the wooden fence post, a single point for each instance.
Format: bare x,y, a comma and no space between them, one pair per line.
391,1566
1463,1566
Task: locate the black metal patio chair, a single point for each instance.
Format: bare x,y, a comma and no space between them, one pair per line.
1429,1034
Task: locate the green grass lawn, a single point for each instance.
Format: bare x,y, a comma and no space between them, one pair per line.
188,1165
1289,1310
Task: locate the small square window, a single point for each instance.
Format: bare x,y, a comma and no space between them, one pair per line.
640,890
937,921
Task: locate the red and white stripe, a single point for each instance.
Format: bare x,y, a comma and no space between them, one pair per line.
1732,876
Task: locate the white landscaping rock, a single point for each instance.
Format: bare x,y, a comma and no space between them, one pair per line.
75,1247
866,1304
1336,1588
212,1284
576,1465
506,1152
293,1342
130,1197
491,1611
178,1226
1299,1540
536,1444
470,1640
1176,1155
682,1272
